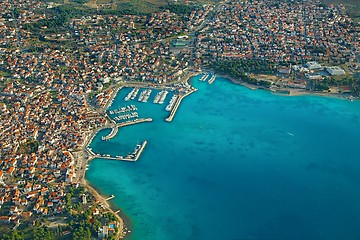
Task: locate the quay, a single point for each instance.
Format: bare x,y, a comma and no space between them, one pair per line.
177,104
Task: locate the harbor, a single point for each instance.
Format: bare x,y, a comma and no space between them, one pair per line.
131,157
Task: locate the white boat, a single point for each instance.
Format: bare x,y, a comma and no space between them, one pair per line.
130,94
171,103
134,94
157,97
142,95
147,95
162,99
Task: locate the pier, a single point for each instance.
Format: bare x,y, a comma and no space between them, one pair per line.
212,79
114,131
204,77
177,104
139,151
111,197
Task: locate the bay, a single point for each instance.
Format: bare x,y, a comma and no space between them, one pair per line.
237,164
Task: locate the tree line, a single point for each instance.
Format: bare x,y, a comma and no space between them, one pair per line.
240,69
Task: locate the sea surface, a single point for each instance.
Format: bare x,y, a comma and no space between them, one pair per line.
237,164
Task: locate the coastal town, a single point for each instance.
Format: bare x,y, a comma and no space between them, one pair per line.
61,67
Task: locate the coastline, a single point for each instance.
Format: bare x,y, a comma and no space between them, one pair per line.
121,227
292,91
82,157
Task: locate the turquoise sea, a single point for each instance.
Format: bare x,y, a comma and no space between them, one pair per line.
237,164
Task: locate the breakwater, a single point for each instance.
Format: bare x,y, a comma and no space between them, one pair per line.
131,157
177,104
114,127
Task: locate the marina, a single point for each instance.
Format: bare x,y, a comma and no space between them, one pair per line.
128,108
160,97
132,94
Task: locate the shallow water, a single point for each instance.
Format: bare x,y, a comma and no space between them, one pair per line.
237,164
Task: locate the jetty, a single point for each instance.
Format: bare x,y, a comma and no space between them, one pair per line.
162,98
127,116
212,79
114,131
177,104
138,151
111,197
204,77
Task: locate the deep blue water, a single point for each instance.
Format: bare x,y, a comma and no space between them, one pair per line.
237,164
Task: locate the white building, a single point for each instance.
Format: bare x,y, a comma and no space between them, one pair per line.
313,66
335,71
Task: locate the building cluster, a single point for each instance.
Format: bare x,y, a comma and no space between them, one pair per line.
296,31
38,129
46,80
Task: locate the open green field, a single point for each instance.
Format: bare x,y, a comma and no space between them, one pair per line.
148,6
131,6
